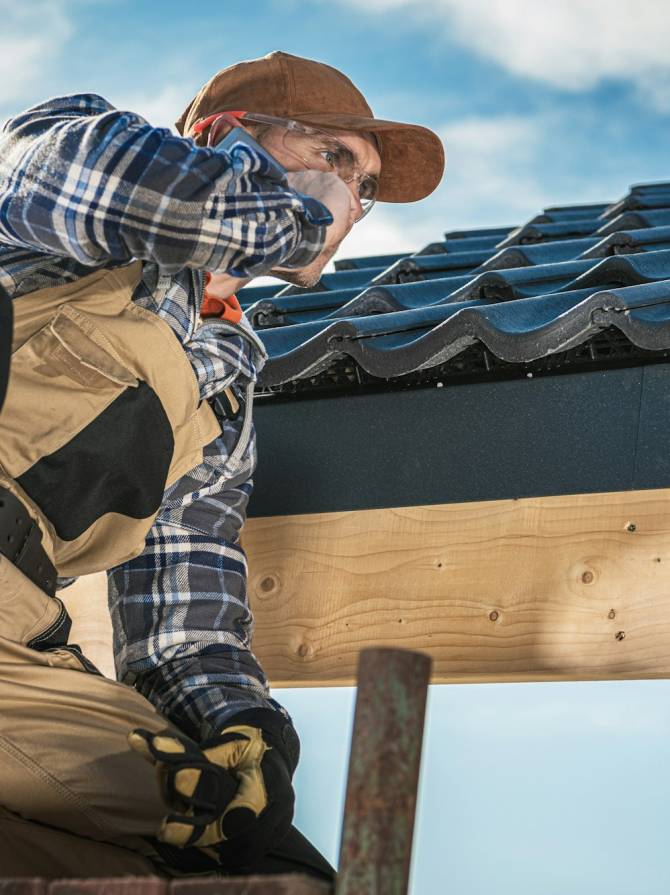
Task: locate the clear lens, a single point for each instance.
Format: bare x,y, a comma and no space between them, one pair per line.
321,151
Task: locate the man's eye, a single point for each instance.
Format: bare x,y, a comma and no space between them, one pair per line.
336,155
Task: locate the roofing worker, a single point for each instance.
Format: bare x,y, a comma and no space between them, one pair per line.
126,443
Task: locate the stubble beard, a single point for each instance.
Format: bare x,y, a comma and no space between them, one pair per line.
306,277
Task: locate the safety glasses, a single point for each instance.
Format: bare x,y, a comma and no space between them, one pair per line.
317,149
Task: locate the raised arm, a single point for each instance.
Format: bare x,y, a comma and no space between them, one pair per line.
81,179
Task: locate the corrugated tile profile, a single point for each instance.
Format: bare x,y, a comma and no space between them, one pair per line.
568,275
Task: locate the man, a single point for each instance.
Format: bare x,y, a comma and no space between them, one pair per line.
126,443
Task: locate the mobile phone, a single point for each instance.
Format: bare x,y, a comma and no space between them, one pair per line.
239,135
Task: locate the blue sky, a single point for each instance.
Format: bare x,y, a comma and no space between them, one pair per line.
548,788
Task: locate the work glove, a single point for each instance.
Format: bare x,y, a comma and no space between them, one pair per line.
230,795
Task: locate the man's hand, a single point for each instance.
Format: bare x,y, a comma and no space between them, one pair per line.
231,794
332,192
340,202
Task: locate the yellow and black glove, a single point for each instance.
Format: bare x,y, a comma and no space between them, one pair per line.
230,795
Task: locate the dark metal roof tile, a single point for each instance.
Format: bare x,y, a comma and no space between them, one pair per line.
521,331
557,213
630,241
281,311
401,297
625,270
462,244
636,220
627,220
636,201
538,294
368,261
541,253
661,186
251,294
500,232
574,228
418,267
343,279
520,282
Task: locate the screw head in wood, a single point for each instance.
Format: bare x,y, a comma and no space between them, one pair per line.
494,615
620,635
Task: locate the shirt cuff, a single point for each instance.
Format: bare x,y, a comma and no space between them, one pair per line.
310,245
312,220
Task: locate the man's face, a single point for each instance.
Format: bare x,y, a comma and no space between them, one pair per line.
364,150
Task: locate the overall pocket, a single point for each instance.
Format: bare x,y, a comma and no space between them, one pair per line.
79,432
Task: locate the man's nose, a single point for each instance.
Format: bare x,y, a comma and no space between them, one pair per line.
356,207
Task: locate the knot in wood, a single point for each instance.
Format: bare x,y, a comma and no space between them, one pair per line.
268,584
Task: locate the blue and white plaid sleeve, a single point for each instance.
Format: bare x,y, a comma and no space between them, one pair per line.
181,619
182,624
82,180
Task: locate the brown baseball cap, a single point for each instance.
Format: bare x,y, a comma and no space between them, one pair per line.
412,157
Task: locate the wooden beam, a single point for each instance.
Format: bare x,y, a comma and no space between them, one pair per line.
538,589
509,590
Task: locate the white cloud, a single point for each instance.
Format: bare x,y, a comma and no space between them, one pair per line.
496,175
655,86
160,109
503,170
377,234
492,167
32,38
571,44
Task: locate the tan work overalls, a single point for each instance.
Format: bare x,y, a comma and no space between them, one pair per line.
102,413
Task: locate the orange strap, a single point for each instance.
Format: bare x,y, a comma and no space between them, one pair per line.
203,123
224,308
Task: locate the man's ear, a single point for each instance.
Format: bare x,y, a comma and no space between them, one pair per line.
201,136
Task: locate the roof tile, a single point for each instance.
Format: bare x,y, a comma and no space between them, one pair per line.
558,282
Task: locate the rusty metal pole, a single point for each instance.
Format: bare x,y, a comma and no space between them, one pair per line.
383,772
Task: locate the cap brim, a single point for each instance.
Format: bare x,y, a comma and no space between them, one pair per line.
412,156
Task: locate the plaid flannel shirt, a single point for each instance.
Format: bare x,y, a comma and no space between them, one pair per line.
83,186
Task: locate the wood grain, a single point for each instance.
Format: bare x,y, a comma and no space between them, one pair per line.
532,589
558,588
